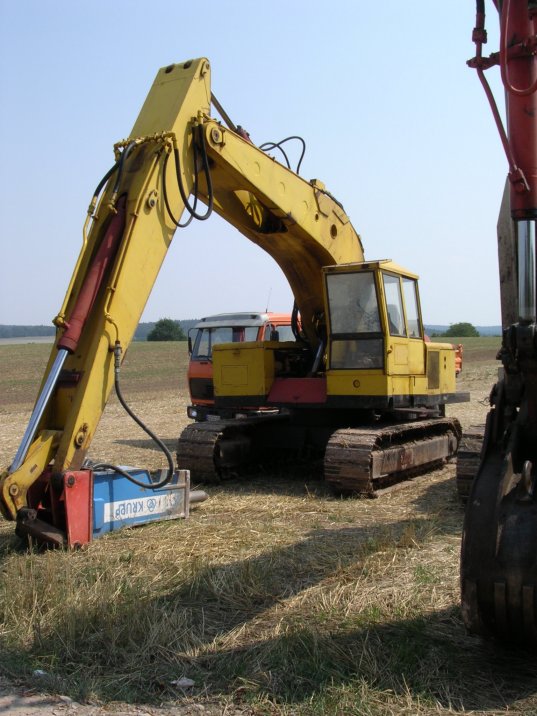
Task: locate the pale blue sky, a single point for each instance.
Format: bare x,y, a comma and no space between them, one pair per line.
396,126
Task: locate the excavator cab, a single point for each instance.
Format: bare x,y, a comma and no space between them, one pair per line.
371,353
374,308
376,332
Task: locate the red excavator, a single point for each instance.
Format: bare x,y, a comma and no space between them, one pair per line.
499,549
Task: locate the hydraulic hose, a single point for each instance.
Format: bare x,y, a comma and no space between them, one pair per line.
479,37
165,194
118,165
267,146
504,38
128,149
206,170
138,421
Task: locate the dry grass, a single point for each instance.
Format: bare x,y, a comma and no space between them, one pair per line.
274,594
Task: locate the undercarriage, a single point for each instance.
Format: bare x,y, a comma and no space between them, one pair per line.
361,460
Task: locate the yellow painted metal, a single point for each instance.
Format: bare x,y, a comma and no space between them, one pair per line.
178,93
361,383
296,221
14,487
411,366
416,356
446,367
245,370
357,383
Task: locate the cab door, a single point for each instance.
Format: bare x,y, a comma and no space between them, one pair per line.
405,347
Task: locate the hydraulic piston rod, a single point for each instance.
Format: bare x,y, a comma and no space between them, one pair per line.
39,409
69,341
526,264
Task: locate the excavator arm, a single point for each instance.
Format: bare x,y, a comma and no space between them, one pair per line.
297,222
176,157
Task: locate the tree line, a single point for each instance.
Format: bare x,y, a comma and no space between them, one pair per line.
458,330
169,329
142,331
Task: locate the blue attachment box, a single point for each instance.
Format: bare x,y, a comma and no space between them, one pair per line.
119,503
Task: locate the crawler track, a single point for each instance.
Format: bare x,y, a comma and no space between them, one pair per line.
366,460
217,450
498,556
361,460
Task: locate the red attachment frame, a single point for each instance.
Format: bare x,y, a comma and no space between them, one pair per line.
78,497
63,503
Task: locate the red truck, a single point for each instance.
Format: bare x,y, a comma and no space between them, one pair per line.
225,328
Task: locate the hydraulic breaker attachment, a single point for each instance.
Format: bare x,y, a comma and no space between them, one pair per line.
79,506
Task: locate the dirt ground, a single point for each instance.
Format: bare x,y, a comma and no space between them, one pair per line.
17,701
114,439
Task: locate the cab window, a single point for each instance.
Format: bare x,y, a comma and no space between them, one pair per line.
285,333
353,303
356,337
410,293
394,305
250,333
209,337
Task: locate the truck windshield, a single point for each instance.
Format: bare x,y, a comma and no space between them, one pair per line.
207,338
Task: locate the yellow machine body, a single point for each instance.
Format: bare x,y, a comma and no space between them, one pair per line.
383,364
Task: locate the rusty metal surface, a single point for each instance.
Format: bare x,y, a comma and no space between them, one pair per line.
29,527
357,460
365,460
468,459
196,450
499,555
216,450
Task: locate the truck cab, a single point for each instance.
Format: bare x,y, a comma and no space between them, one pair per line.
225,328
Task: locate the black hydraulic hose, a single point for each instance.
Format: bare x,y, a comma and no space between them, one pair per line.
294,322
167,203
206,170
104,180
117,166
273,145
277,145
138,421
124,154
190,210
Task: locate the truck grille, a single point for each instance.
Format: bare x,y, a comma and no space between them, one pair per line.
201,388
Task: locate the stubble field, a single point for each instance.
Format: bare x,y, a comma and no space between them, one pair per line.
274,597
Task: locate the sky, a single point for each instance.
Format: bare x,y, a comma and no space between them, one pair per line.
396,126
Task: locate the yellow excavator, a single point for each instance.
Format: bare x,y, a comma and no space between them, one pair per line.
359,384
